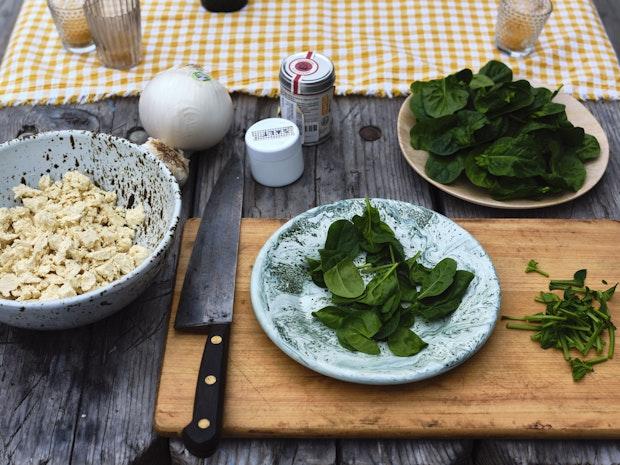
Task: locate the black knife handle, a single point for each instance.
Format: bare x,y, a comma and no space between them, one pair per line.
202,435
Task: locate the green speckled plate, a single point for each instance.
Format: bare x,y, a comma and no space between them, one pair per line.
283,296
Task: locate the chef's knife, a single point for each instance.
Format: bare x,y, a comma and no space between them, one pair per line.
206,304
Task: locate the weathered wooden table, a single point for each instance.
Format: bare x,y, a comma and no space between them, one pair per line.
86,396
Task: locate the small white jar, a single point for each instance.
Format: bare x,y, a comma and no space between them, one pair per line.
274,149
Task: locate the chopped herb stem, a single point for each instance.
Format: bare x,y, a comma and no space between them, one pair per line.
522,326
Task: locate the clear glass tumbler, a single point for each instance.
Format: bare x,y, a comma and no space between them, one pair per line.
519,23
116,29
71,23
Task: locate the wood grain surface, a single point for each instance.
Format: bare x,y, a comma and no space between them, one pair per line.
510,388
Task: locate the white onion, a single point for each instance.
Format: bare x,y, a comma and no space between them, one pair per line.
186,108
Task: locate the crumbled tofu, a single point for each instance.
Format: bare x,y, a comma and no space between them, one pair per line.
68,238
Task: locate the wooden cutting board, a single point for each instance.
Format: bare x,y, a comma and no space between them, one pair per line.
510,388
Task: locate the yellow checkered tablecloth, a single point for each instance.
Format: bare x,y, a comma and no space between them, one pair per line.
378,46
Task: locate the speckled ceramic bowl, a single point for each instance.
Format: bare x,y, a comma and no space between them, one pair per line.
114,164
283,296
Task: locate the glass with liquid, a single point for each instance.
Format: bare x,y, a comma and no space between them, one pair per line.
519,23
72,26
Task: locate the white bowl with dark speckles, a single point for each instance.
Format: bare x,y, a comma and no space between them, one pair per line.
115,165
284,296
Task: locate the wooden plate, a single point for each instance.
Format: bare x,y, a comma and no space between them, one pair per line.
463,189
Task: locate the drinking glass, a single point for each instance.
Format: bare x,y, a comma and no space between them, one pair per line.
71,23
519,23
116,29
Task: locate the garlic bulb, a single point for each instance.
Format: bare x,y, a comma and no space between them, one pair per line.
186,108
174,159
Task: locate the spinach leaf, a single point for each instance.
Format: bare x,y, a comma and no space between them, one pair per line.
442,97
380,288
460,136
344,280
550,108
481,80
444,169
478,176
415,104
407,317
330,258
520,188
448,301
418,273
354,341
316,272
439,278
342,242
492,130
388,327
578,281
408,292
377,236
589,149
392,303
497,71
567,172
356,331
541,96
425,132
342,235
464,76
332,317
365,322
513,156
404,342
503,98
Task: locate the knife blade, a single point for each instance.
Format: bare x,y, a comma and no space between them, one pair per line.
206,304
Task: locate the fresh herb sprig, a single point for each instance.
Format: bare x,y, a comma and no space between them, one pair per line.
504,136
576,321
532,267
400,288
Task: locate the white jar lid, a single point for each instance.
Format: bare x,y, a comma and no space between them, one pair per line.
273,139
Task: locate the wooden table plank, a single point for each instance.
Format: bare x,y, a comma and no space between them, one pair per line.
9,9
609,11
408,452
261,452
547,452
44,379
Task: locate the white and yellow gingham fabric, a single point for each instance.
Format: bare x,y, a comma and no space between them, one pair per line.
378,47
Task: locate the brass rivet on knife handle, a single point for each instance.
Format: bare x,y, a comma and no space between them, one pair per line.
216,340
210,379
203,423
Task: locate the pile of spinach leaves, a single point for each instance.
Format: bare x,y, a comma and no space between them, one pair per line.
400,289
576,321
504,136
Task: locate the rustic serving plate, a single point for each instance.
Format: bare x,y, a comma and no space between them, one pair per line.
283,296
577,114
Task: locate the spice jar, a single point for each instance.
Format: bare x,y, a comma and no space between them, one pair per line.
306,92
274,150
